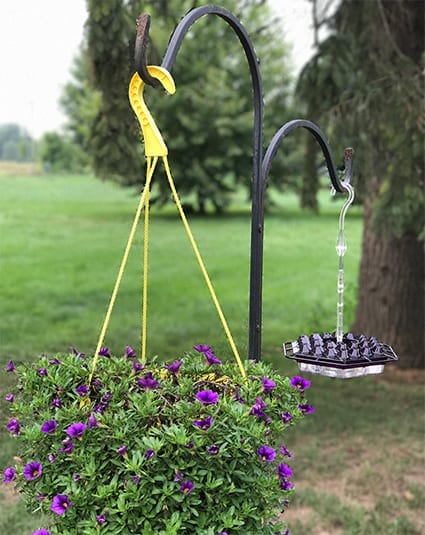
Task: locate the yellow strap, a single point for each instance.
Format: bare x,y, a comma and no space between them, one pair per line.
143,339
150,170
203,268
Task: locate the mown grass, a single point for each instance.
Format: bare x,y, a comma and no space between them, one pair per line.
62,239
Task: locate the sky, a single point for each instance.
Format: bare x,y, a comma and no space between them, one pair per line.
40,38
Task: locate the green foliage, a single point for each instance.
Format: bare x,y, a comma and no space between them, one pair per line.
366,87
59,154
16,144
207,124
186,448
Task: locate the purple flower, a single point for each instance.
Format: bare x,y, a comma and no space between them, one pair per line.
68,446
186,487
137,367
55,361
285,484
266,453
92,421
42,371
49,427
286,417
189,445
207,397
60,504
179,476
136,479
257,408
9,475
104,352
284,471
129,352
56,403
82,390
9,397
285,452
32,470
305,408
10,367
201,348
299,383
204,424
148,382
174,367
213,449
42,531
76,477
268,385
122,450
101,519
237,397
40,497
149,453
76,430
52,457
211,358
14,426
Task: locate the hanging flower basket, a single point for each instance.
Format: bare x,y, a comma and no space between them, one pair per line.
180,448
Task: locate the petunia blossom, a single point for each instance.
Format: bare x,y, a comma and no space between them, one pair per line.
32,470
104,352
68,446
284,471
14,426
9,475
148,382
186,487
266,453
49,427
268,385
149,454
122,450
305,408
60,504
207,397
56,402
211,358
9,397
10,367
213,449
286,417
285,452
202,348
137,367
204,424
299,383
285,484
129,352
92,421
76,430
42,371
41,531
101,519
174,367
82,390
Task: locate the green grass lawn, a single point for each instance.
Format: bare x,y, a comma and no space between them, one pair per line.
359,460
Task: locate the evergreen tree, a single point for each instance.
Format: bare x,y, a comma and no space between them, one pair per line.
207,124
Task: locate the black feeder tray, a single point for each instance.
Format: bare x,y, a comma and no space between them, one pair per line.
354,356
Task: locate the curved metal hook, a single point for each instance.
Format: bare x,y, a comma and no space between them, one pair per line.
286,129
140,50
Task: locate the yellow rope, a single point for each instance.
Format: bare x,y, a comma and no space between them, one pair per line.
203,268
145,271
150,170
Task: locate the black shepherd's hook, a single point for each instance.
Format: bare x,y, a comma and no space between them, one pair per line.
260,168
140,50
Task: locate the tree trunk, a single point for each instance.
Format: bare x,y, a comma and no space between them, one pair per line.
391,293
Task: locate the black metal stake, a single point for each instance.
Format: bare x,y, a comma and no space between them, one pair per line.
260,166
